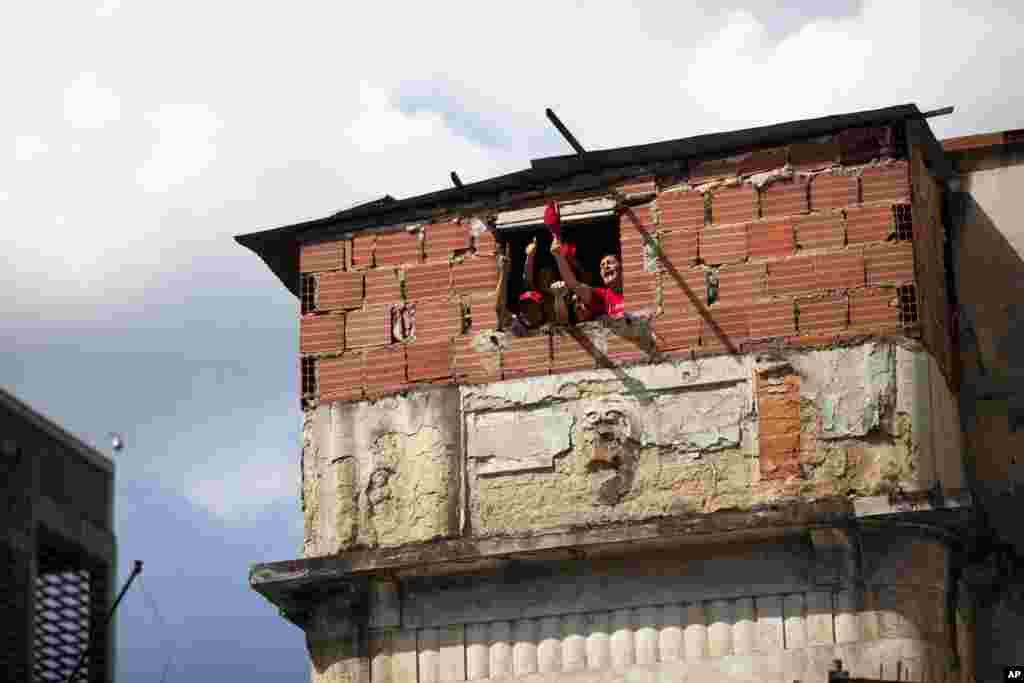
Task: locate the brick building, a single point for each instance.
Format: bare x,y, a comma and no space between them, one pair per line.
58,551
756,472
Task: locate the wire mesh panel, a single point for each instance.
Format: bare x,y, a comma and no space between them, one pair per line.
62,625
70,601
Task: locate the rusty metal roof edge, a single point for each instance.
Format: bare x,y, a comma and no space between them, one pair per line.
965,143
550,169
719,143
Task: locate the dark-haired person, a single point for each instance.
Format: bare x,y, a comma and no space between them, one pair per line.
606,300
538,304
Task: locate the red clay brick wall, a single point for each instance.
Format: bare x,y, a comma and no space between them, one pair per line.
724,265
778,409
804,260
929,262
430,275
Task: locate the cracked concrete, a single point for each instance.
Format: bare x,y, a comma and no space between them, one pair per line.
596,447
381,473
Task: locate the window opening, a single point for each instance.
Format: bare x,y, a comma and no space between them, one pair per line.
904,223
908,304
594,239
308,376
308,294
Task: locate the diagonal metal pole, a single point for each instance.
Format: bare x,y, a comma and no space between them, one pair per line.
136,570
569,137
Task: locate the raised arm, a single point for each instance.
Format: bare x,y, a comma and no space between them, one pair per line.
568,276
531,264
504,266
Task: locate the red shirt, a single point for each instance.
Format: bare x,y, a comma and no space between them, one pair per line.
608,302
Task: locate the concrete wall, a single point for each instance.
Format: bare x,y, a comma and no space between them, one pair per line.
989,254
762,612
679,439
381,473
989,257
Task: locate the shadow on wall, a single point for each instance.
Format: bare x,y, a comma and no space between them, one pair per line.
990,283
990,277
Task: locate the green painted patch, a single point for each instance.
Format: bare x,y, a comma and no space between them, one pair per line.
828,415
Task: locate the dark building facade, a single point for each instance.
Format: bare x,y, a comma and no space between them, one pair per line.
58,551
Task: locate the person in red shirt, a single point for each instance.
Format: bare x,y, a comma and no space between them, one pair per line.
539,303
605,300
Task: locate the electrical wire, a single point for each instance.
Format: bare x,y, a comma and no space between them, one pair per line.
151,601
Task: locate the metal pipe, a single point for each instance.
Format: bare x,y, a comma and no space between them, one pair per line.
455,179
136,570
564,131
944,111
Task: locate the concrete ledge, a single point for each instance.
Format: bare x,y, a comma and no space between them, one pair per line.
292,583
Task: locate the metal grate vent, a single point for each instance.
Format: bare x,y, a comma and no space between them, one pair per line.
62,624
308,294
70,600
904,223
908,304
308,376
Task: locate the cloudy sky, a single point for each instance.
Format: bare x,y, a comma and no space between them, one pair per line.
141,136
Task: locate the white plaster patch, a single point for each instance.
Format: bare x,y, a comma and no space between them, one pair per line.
699,420
517,441
905,380
851,387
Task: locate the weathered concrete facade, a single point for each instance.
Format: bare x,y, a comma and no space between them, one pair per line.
758,474
381,474
768,611
598,447
988,260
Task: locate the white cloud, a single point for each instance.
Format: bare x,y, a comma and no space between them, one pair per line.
379,125
271,136
233,493
185,146
108,8
28,147
888,54
87,105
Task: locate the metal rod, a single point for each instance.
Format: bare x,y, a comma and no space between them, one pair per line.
455,179
944,111
565,131
136,570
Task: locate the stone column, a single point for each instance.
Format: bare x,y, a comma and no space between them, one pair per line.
336,637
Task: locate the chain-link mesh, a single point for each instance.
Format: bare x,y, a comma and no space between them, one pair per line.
70,602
